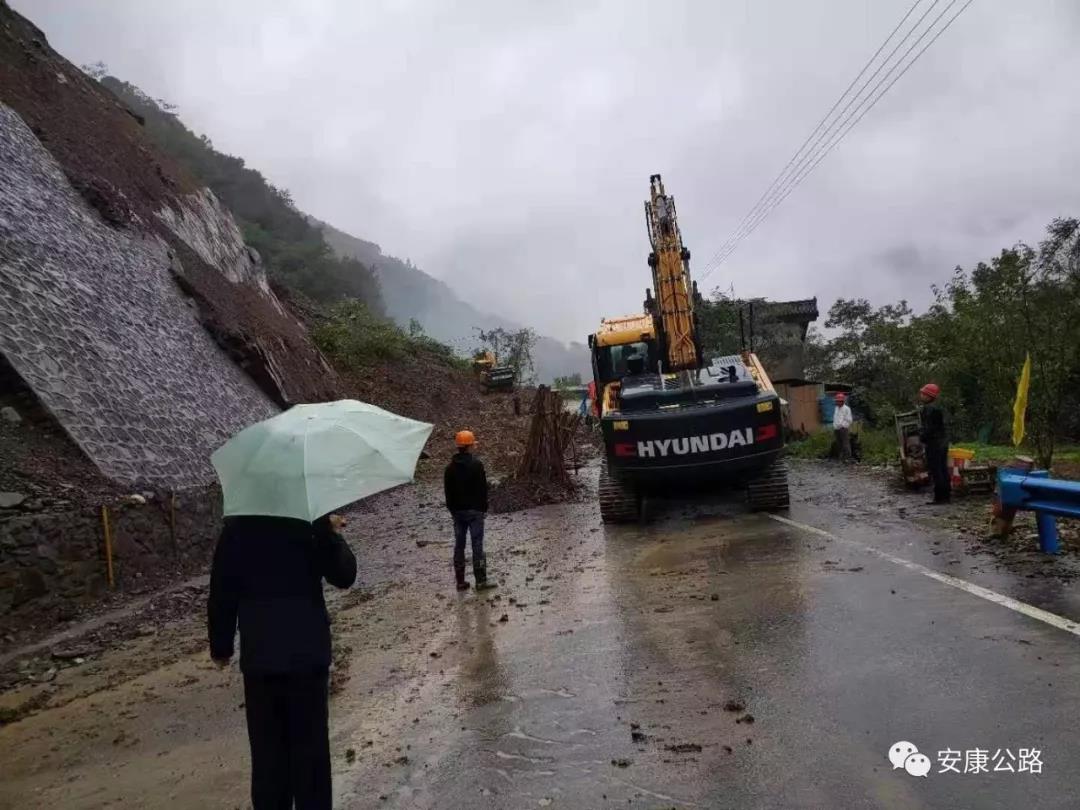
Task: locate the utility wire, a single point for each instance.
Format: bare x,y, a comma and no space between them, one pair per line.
849,126
821,124
808,162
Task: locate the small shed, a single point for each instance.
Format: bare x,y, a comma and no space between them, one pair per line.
802,415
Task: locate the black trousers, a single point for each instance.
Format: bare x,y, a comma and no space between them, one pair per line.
937,461
287,718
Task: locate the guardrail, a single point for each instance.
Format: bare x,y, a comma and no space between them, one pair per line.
1049,498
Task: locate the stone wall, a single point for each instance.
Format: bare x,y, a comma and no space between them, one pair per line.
92,319
56,559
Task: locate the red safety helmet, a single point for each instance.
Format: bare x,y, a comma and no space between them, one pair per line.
931,390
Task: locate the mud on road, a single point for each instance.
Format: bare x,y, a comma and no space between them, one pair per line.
711,659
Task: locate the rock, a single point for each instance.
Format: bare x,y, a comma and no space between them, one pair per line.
748,718
10,500
734,706
622,763
350,756
504,618
10,415
48,675
715,597
76,654
134,499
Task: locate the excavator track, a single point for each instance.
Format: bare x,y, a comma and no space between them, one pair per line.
619,503
770,489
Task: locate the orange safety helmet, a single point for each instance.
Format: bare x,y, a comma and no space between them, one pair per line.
931,390
465,438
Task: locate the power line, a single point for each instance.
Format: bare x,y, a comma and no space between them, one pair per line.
785,185
845,129
812,160
798,152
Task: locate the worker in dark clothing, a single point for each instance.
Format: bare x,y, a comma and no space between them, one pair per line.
267,576
465,484
936,442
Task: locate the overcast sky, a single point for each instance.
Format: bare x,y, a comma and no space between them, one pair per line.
505,147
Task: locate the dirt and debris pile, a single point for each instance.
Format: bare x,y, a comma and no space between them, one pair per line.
424,388
542,476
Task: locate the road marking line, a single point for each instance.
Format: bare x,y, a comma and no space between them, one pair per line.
1045,616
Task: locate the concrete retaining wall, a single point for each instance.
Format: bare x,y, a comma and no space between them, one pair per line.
92,320
56,558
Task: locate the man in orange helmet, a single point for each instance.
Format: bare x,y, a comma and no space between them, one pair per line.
465,485
936,441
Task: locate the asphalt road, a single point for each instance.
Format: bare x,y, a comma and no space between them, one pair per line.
712,659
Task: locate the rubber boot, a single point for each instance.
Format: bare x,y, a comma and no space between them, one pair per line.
480,572
459,575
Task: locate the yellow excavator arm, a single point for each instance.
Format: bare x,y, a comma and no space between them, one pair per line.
673,306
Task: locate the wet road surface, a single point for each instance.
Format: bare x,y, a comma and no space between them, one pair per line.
712,659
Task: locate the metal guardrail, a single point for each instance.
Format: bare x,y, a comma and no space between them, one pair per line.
1049,498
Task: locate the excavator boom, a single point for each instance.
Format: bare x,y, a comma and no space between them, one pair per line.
673,306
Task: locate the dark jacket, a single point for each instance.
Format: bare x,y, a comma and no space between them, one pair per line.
465,484
933,432
267,576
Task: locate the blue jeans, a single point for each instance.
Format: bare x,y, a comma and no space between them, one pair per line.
468,522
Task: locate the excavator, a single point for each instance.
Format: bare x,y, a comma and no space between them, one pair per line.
673,421
492,376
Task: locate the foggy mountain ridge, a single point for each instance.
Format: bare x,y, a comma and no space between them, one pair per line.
410,293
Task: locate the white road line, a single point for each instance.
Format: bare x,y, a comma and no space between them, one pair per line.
1052,619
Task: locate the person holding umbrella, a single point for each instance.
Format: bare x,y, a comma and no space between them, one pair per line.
280,480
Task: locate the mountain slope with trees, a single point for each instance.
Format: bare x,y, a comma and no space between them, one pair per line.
409,293
325,264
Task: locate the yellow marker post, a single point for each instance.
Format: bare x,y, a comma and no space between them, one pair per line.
108,544
1020,404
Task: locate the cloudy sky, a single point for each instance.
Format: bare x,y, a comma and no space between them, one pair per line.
505,145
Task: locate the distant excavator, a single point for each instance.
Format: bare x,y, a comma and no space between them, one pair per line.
671,420
493,377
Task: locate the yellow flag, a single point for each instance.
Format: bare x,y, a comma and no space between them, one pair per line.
1020,405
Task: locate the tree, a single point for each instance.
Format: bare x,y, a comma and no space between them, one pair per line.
293,249
972,341
512,349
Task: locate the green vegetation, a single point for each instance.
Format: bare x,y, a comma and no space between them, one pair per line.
356,338
513,349
293,249
972,342
352,330
876,446
1069,454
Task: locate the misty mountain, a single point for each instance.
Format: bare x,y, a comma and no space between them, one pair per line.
409,293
